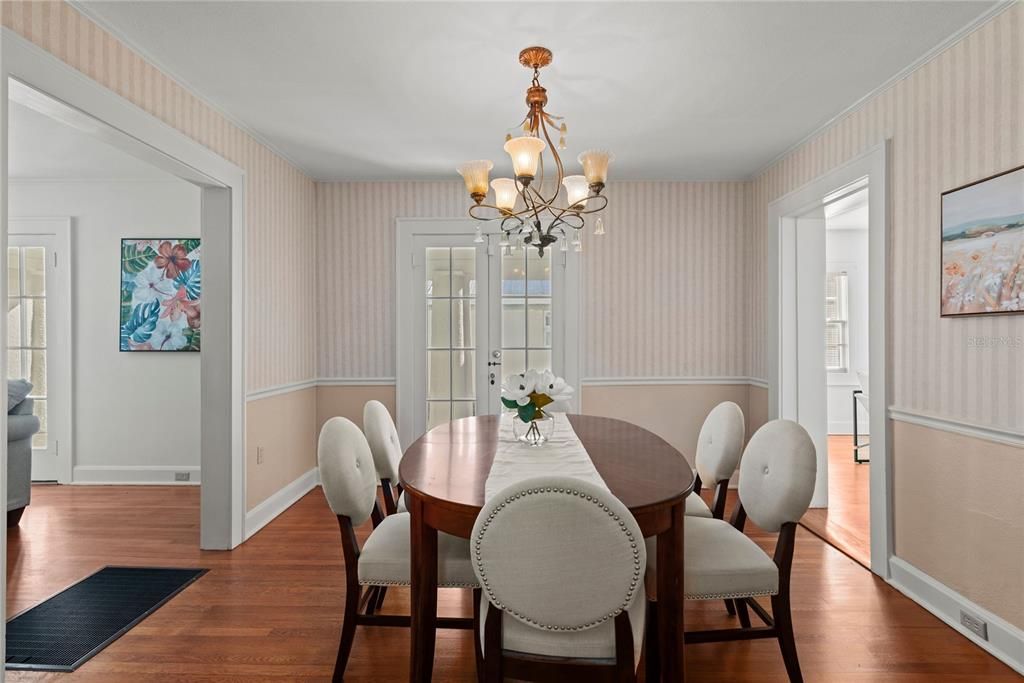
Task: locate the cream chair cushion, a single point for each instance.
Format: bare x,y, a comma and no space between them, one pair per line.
593,643
385,559
777,474
720,443
696,507
382,436
720,562
347,473
562,558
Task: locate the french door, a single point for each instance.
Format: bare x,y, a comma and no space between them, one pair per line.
39,335
470,313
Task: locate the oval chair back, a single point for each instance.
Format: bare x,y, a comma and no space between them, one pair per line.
382,435
719,447
777,475
347,474
560,556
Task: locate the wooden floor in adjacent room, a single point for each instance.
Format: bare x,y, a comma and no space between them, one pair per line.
271,609
846,522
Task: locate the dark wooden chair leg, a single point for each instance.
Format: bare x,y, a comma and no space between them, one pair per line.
478,649
730,608
381,592
741,610
348,633
493,653
652,656
624,671
787,642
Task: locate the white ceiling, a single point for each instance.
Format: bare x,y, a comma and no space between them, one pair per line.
679,91
41,148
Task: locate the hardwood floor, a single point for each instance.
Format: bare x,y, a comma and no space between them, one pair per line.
271,609
846,522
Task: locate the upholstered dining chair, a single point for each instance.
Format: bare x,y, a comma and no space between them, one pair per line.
719,446
349,481
777,474
382,436
561,565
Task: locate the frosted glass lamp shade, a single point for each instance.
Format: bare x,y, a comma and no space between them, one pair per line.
475,173
505,193
576,190
595,165
525,152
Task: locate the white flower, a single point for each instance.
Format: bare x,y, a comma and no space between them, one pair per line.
518,388
169,335
555,387
151,284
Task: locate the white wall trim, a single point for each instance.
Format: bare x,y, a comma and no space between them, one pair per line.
159,475
928,56
86,11
22,180
1005,641
946,424
268,510
659,381
355,381
279,389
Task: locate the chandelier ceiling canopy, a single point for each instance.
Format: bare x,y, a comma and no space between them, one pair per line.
534,210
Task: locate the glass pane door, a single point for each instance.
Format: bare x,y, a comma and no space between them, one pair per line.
526,312
26,327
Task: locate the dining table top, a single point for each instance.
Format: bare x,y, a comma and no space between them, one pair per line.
449,465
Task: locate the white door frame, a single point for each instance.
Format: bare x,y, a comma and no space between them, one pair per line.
59,365
27,71
406,230
782,325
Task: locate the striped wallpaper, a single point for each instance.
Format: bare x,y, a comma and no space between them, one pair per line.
281,284
958,118
663,296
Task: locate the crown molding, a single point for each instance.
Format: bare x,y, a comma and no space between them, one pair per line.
83,8
942,46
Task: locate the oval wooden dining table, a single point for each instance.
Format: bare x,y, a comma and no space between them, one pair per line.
443,475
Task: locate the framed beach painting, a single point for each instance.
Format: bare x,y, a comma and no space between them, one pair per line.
160,295
983,246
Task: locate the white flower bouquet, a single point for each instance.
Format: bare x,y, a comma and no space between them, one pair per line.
528,394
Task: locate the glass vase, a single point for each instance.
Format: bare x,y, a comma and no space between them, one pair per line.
535,432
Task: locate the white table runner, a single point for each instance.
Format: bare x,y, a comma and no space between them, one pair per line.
562,455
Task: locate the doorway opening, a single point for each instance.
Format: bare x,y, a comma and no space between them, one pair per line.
472,311
827,347
845,522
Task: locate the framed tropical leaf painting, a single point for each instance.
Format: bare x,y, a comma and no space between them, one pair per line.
160,288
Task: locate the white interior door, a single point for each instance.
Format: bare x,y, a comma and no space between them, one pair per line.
39,335
471,313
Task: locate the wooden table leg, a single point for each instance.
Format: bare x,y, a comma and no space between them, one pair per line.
424,594
670,598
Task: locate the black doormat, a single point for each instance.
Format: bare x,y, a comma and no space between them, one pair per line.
63,632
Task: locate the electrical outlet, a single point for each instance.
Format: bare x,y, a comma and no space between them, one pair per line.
182,476
259,455
974,624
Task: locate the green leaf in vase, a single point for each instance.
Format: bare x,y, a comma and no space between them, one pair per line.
527,412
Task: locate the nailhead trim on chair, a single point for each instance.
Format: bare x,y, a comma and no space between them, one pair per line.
727,596
440,584
547,627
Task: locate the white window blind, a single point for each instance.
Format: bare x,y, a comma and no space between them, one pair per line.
837,322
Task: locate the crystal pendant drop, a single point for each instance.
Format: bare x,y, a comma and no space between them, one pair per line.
599,226
479,239
561,143
563,244
577,245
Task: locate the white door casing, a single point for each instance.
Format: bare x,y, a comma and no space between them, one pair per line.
550,318
51,460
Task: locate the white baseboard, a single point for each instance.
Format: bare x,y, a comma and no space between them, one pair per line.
142,475
265,512
1005,641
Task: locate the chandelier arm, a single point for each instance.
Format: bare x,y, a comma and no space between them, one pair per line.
594,198
557,158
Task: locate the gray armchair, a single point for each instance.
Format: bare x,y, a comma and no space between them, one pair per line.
21,426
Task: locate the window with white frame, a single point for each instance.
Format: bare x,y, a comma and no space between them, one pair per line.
837,322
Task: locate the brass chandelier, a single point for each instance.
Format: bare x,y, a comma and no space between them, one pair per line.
530,211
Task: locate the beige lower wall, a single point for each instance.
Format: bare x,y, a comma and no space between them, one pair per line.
285,427
675,412
348,401
757,408
955,521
